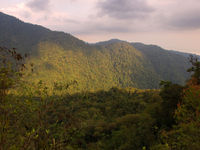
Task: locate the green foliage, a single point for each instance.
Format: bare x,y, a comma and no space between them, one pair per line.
172,96
169,65
10,65
39,111
185,133
102,67
100,120
58,56
38,116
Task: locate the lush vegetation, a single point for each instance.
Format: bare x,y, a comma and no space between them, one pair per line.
60,57
122,119
69,95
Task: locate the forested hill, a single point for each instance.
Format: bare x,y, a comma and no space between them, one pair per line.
25,36
60,57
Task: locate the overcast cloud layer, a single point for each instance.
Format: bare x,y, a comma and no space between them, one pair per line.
173,24
38,5
125,9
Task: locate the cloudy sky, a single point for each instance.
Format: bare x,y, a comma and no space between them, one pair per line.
172,24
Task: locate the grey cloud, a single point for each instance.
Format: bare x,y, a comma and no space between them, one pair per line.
71,21
25,14
186,20
97,27
179,15
114,29
38,5
124,9
107,29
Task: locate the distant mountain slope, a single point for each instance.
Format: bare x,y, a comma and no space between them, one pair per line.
60,57
25,36
168,64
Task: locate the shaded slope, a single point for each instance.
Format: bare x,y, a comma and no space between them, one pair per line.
169,65
25,36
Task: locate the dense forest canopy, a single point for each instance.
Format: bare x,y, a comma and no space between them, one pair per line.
122,119
60,93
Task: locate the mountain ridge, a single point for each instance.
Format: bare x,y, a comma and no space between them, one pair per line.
58,56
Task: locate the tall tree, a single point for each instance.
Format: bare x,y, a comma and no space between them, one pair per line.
11,63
